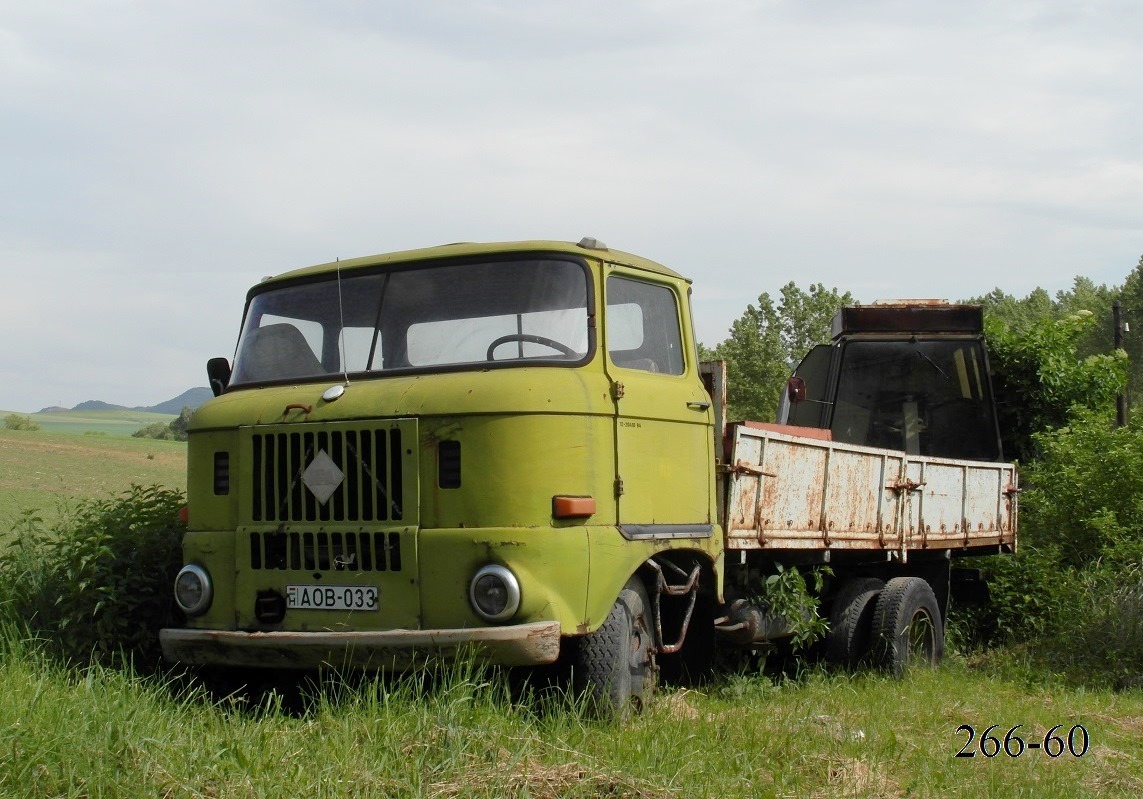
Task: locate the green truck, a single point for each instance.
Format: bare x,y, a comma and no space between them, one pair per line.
513,450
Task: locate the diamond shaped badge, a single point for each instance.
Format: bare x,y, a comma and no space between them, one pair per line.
322,477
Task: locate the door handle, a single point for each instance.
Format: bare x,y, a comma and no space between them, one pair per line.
698,406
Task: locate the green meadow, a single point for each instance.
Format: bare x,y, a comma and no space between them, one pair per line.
105,733
44,470
109,423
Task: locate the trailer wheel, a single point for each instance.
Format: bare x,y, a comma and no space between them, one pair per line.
615,665
851,621
907,625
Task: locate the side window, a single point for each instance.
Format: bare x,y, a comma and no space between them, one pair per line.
643,327
814,369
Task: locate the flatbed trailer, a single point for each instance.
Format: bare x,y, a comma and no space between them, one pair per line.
789,492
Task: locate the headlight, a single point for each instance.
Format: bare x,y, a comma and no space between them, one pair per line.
193,590
494,593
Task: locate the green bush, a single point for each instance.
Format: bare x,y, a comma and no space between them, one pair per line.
1073,595
1086,494
175,430
156,430
15,421
1039,379
96,587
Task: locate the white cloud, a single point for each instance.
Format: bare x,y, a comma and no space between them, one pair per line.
162,157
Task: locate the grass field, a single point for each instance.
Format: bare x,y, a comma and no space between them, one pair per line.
109,423
39,469
103,733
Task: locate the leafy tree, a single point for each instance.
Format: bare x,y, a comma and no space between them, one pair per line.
1131,298
1084,295
1040,379
754,361
175,431
769,339
179,425
1017,314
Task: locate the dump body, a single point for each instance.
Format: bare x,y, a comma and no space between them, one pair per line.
791,492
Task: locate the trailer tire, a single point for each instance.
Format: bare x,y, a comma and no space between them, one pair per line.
851,621
615,665
907,625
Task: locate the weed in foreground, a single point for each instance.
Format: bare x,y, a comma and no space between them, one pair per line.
95,586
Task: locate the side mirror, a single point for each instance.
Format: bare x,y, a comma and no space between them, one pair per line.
796,389
218,372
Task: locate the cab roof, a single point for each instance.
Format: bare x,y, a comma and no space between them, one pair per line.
587,248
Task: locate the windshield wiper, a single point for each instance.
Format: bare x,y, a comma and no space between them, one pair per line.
934,364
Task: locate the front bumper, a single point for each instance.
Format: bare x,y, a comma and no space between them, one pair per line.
514,645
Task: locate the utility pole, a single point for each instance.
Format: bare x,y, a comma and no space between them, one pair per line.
1120,327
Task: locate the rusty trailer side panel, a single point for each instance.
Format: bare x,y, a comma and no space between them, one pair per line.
787,492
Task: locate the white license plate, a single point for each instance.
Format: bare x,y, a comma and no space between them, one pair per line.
331,597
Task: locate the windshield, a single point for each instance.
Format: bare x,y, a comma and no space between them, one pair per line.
518,312
924,397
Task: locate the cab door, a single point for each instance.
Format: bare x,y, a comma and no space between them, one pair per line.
663,415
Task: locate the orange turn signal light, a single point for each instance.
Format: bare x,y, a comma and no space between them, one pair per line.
565,507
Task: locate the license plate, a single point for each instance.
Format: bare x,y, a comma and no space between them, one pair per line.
331,597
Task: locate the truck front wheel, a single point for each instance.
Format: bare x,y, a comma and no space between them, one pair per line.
907,625
615,665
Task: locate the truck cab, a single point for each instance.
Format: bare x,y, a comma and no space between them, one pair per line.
466,447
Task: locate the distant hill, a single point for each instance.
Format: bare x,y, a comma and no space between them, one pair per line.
96,405
190,398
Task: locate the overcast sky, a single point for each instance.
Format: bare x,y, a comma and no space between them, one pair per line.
159,157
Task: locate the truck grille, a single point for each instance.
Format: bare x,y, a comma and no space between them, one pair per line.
368,489
367,552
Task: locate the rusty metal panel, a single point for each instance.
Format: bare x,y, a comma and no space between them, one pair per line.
788,492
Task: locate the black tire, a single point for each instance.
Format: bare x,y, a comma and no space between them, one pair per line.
851,621
907,625
615,665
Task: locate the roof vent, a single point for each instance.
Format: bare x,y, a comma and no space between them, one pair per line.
589,243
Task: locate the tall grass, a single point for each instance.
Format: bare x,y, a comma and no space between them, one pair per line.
105,732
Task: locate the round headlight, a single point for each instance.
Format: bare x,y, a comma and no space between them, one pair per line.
494,593
193,590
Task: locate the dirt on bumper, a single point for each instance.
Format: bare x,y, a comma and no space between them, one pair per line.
516,645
